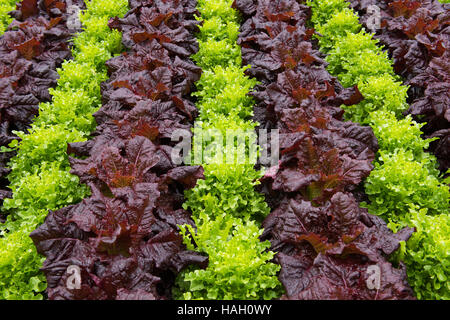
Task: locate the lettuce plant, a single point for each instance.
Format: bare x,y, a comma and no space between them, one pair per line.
228,189
399,181
426,253
225,206
237,264
381,93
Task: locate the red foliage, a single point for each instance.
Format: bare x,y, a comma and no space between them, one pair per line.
325,241
125,237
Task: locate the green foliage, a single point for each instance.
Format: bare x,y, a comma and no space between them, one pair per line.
72,109
39,147
103,8
213,53
224,107
218,35
426,253
323,10
40,177
5,19
356,57
398,181
396,135
365,65
219,29
238,262
20,278
380,93
225,122
405,187
224,90
224,139
82,76
342,23
50,188
225,205
220,9
228,190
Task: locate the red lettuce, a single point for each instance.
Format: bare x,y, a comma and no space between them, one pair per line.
325,251
325,241
125,237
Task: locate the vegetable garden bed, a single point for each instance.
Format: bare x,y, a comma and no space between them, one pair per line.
95,96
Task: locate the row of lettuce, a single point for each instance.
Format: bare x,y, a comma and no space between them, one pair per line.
40,178
225,206
405,188
416,37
